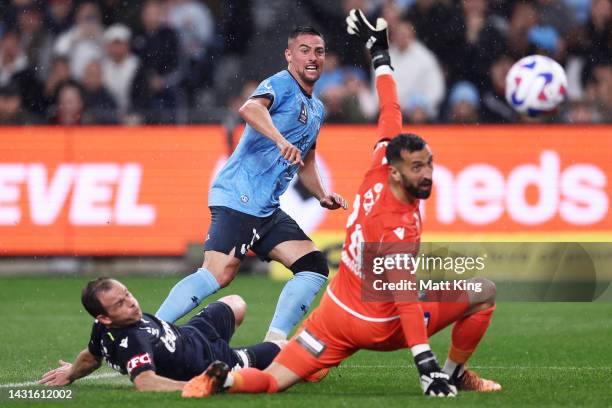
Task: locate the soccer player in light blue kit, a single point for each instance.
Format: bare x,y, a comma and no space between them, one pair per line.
283,120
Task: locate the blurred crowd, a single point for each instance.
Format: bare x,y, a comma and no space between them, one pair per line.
71,62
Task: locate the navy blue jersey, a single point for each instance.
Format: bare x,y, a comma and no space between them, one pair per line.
256,174
174,352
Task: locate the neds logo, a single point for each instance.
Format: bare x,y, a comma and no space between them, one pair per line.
530,194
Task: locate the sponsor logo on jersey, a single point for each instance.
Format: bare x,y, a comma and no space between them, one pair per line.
152,331
138,361
169,338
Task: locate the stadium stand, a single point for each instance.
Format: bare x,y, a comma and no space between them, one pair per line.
106,62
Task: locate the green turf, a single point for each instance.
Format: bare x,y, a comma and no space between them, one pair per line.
544,354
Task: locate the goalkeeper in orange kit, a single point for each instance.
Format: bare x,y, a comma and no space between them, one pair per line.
385,210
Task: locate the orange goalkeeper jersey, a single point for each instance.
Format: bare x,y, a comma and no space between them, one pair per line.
378,216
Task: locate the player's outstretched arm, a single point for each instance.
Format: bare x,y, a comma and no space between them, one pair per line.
149,381
375,39
310,177
66,373
255,113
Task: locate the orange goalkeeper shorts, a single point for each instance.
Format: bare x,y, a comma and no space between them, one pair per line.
330,335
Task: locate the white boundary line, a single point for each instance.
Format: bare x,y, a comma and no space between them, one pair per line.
484,367
33,383
113,375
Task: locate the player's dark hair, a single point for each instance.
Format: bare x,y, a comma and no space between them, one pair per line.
89,295
299,30
405,141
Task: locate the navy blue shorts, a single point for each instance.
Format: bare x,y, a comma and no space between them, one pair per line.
216,323
231,229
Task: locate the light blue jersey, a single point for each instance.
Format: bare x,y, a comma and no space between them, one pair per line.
256,174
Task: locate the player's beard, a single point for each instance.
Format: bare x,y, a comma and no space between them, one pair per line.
418,190
308,80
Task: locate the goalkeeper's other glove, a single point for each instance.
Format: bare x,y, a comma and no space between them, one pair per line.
434,381
375,38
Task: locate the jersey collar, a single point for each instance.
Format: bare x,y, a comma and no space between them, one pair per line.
306,94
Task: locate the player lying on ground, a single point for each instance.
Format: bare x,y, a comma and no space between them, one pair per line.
283,120
386,210
157,355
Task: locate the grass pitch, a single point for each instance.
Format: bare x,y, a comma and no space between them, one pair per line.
544,354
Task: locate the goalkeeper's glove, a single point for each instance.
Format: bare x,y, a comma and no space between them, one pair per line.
434,381
375,38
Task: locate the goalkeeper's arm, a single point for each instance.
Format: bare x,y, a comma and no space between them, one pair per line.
434,381
375,39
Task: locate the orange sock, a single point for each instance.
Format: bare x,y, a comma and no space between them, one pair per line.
253,381
467,333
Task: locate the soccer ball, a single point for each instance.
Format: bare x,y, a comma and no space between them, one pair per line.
536,85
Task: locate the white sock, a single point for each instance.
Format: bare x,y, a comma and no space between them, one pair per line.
419,348
275,335
450,366
383,70
229,381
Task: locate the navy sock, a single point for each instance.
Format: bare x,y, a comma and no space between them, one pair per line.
258,356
